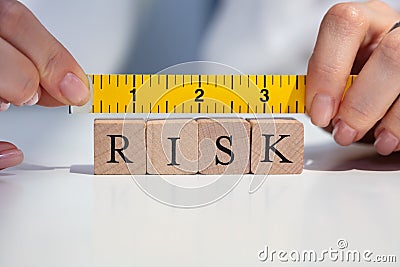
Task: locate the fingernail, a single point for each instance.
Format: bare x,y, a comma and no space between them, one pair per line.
322,109
386,143
33,100
343,134
10,157
73,89
4,106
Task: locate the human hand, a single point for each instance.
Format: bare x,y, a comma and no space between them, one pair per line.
354,38
34,68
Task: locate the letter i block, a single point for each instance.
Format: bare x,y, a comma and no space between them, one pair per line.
172,146
119,146
224,146
277,146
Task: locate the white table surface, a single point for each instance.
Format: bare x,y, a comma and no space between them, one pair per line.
54,212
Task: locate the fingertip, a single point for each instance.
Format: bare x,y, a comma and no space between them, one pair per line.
386,143
322,109
6,146
35,98
344,134
10,156
4,106
74,89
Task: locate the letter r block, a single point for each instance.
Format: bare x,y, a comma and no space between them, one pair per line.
172,146
277,146
119,146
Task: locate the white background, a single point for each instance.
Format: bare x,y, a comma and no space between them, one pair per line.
53,212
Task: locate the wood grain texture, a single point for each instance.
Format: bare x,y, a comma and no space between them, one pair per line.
224,146
207,146
120,133
277,146
172,146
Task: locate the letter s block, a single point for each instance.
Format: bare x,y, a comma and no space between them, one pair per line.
277,146
224,146
119,146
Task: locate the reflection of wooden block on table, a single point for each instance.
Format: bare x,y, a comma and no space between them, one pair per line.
119,146
277,146
224,146
172,146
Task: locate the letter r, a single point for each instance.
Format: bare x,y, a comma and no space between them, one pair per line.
113,149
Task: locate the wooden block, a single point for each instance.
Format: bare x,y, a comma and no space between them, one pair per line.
172,146
224,146
277,146
119,146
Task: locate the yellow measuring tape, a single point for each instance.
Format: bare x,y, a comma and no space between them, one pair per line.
159,93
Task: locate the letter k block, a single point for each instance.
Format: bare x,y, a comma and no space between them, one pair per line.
277,146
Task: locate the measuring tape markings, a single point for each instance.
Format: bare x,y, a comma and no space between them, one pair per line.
182,93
